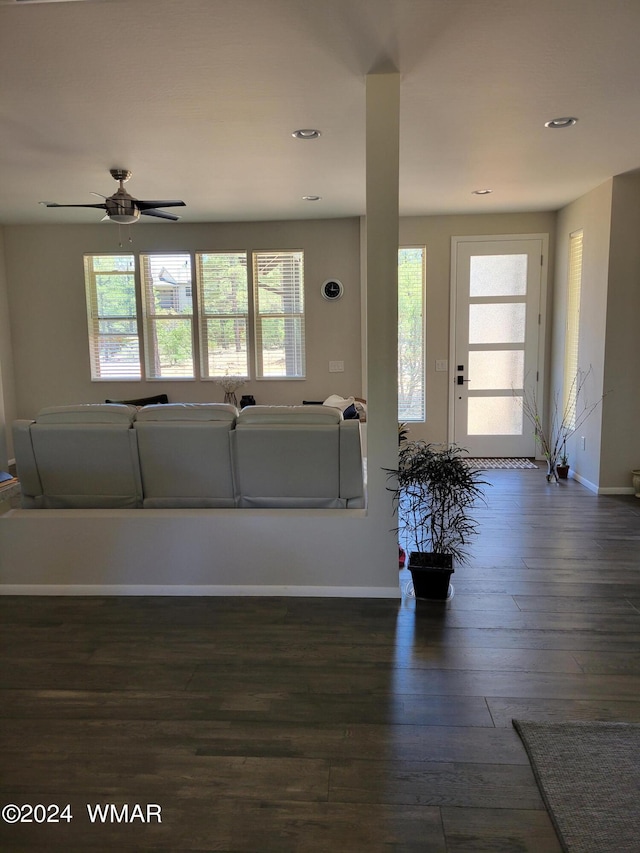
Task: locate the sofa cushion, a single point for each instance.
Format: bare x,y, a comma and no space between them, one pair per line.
188,412
288,456
86,457
185,457
283,465
87,413
294,415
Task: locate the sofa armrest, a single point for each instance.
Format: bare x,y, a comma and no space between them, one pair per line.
27,468
351,474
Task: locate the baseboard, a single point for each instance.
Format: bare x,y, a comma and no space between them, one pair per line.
602,490
211,590
584,482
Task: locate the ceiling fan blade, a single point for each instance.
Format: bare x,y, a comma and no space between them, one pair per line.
55,204
148,205
160,214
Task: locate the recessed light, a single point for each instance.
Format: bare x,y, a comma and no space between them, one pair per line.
481,192
311,197
560,123
306,133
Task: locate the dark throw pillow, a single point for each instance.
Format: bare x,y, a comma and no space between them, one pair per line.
350,413
143,401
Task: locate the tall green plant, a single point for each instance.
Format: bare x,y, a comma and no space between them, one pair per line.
434,493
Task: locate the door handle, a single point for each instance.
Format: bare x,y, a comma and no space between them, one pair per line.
462,380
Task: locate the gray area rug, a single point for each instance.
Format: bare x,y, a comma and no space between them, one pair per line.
486,464
589,778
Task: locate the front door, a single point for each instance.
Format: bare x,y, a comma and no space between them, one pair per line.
496,287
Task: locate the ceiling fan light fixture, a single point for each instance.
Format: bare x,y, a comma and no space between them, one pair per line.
307,133
123,208
124,218
561,123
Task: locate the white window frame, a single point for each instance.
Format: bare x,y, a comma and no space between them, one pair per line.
98,339
147,317
153,320
205,316
295,355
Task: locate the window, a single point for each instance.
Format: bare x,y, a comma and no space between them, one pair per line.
196,328
168,316
223,300
411,292
114,346
278,293
571,341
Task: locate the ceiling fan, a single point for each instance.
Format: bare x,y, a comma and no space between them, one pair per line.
124,208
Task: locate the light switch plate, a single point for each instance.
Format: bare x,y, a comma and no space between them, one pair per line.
336,367
442,364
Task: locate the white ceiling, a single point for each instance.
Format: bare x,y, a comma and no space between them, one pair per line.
199,99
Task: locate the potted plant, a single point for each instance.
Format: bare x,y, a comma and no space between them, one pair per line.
434,492
562,468
403,432
562,423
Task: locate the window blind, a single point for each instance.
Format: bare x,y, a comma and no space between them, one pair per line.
278,287
411,300
167,303
572,331
223,302
114,345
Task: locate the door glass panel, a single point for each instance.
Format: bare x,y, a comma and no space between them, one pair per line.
495,416
498,275
497,323
496,369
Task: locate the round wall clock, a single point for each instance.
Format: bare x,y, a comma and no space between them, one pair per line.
332,289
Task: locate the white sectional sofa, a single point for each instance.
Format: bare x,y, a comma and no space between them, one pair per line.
189,455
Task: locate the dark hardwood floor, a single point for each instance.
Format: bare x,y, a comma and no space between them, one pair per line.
328,725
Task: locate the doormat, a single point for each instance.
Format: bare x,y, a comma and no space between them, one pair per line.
486,464
589,776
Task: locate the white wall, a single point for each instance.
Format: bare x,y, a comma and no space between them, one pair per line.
592,214
45,281
7,396
609,342
621,407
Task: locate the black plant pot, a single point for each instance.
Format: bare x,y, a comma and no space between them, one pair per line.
431,574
